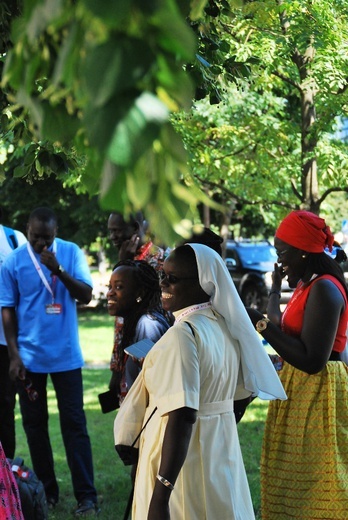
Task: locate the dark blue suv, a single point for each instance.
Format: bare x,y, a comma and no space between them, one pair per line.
251,264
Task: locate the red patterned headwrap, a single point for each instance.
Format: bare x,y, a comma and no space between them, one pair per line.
306,231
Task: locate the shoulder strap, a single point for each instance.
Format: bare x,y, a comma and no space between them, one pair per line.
153,411
192,329
11,237
143,428
17,461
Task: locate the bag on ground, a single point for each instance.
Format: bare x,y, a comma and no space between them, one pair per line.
31,491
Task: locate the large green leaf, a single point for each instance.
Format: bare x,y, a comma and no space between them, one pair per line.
116,66
172,143
111,12
174,34
113,187
65,66
197,7
41,15
139,187
136,132
33,105
14,69
57,125
175,81
100,124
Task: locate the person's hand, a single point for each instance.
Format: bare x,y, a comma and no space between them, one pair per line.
49,259
17,369
159,509
129,248
277,276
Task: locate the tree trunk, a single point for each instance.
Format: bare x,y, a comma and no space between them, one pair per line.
309,142
309,174
206,216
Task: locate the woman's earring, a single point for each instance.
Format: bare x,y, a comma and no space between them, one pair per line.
304,256
138,300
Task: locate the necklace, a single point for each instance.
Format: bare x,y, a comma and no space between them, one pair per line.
193,308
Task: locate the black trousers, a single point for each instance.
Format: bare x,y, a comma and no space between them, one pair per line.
69,393
7,406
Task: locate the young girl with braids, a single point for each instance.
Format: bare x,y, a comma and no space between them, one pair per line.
135,295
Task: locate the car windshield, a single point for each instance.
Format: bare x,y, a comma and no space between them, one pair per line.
253,255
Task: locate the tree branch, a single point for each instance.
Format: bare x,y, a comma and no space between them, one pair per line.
287,80
331,190
295,190
232,154
237,198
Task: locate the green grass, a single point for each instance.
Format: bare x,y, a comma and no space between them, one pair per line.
96,330
111,476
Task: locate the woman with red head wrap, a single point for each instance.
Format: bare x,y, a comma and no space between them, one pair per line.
304,465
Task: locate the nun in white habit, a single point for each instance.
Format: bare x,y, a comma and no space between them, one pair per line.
190,464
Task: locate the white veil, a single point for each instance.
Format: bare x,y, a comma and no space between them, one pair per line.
258,374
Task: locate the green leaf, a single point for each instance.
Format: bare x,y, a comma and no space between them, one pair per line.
65,67
175,35
42,15
172,143
20,171
197,8
57,124
113,187
109,12
136,132
14,68
116,66
32,104
138,186
176,82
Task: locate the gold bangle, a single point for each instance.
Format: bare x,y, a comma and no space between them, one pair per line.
261,325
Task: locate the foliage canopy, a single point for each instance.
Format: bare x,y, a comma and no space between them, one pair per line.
102,98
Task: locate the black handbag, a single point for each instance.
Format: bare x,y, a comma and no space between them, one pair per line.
128,454
109,401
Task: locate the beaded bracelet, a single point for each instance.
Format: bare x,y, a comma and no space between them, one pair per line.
165,482
274,292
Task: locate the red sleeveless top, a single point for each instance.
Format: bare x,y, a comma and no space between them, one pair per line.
292,319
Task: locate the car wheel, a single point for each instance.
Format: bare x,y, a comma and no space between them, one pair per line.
252,297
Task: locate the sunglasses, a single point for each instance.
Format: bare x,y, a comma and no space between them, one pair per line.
172,279
280,254
28,387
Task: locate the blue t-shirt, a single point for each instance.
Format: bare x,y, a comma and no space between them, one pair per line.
6,248
47,342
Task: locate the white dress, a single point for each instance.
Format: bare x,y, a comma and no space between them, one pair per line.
198,372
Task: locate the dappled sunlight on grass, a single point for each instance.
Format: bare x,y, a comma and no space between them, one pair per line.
112,478
250,431
96,331
256,411
95,381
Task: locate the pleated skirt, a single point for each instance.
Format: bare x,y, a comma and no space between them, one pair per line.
304,462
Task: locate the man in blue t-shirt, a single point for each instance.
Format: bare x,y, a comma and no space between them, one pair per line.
40,283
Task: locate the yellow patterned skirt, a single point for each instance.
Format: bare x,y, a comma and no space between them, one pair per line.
304,462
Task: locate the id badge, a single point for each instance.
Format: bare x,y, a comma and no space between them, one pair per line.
54,308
